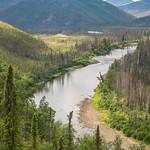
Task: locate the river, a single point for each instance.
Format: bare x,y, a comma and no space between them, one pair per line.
66,93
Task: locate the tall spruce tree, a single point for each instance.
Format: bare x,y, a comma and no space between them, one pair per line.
149,108
34,133
98,140
61,144
70,132
12,139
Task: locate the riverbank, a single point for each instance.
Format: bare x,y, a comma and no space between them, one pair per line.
60,71
90,117
82,61
66,92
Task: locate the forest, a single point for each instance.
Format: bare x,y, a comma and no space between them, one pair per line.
23,126
123,94
25,63
74,74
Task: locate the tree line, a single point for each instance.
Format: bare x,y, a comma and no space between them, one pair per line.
23,126
124,92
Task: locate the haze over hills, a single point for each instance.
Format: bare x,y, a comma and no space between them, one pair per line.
138,9
64,14
143,21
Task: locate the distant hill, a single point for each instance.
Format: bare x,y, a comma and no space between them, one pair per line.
24,51
144,21
4,4
60,15
19,43
138,9
119,2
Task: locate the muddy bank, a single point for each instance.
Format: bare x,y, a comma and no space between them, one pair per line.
91,118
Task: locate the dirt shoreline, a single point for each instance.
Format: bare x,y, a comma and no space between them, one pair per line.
90,117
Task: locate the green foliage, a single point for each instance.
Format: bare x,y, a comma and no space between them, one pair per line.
10,116
135,147
39,129
132,123
70,132
110,96
34,133
23,126
87,143
101,47
117,144
98,141
18,42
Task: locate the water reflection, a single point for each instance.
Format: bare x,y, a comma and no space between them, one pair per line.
66,93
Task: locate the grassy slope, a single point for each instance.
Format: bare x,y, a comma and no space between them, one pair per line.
62,42
25,53
20,48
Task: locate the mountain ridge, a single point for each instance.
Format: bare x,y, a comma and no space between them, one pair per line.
143,21
62,14
118,2
138,8
4,4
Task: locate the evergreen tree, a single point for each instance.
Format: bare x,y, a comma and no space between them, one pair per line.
11,115
34,133
51,119
61,146
98,139
70,132
149,108
54,139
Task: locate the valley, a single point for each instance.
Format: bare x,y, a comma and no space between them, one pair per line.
74,75
34,70
67,89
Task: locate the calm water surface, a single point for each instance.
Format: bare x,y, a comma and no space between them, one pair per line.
67,92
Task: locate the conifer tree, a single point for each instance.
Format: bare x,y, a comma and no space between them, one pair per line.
61,146
70,132
98,139
12,139
34,133
149,108
51,118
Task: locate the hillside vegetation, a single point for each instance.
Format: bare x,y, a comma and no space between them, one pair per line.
124,94
32,59
38,57
23,126
37,60
18,42
62,42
